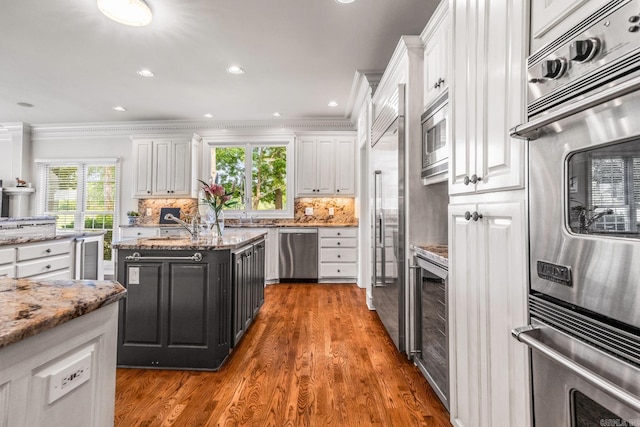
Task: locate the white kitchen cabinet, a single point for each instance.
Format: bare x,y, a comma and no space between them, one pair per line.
338,254
487,94
163,168
84,347
138,232
45,259
436,54
7,260
325,165
489,369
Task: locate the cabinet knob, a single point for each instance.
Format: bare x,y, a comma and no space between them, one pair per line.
466,180
338,243
338,234
338,270
339,256
475,178
48,266
48,250
467,215
476,216
148,192
337,191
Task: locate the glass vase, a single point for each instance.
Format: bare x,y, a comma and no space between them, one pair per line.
218,225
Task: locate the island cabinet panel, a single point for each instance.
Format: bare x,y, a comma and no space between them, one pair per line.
177,312
248,287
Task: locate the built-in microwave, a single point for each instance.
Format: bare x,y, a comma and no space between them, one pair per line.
435,149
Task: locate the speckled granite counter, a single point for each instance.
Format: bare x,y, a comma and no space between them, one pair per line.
60,236
436,253
231,240
261,223
28,307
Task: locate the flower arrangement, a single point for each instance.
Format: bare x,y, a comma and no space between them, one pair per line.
216,197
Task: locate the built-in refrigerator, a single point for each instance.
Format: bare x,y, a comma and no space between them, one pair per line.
388,217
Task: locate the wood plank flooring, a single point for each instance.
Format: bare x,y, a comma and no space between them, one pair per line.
314,356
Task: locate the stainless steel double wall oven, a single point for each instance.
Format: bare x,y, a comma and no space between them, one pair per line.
584,195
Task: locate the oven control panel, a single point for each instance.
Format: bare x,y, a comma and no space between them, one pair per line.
591,54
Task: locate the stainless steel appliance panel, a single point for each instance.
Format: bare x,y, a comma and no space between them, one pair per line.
388,249
298,254
435,150
596,271
432,330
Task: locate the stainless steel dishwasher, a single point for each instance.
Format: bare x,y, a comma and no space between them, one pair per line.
298,254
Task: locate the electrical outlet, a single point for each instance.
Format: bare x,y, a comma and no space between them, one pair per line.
68,374
332,211
134,275
148,211
308,211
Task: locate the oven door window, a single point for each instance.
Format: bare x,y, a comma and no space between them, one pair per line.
435,138
588,413
603,185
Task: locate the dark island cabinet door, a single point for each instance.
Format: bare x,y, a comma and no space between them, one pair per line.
258,276
177,312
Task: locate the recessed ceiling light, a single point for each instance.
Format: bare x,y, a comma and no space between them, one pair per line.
208,115
145,73
276,114
134,13
345,1
25,104
234,69
333,104
119,108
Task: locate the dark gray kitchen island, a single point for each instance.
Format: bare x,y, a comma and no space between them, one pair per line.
188,302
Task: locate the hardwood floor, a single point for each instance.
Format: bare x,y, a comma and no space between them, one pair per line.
314,356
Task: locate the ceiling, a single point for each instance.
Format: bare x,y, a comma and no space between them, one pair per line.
74,64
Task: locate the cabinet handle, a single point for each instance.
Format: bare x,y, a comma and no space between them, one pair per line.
48,250
474,216
435,85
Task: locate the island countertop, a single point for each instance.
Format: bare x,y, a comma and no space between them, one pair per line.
28,307
232,239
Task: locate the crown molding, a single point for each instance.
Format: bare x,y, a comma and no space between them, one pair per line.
364,84
440,15
179,127
397,68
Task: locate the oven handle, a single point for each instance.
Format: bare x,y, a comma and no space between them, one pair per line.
529,130
524,335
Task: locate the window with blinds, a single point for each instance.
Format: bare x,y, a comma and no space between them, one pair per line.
81,195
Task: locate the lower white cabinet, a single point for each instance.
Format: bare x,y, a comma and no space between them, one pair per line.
64,376
338,254
52,259
138,232
488,298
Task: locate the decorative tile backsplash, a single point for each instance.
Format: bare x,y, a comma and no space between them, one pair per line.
343,210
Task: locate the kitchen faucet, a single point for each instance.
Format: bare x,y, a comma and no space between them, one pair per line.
193,228
586,222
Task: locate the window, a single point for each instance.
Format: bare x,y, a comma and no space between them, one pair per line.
81,195
259,174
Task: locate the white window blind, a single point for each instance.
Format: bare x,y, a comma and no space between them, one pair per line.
81,195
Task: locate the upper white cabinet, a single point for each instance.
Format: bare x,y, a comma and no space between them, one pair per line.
436,54
163,168
325,165
487,96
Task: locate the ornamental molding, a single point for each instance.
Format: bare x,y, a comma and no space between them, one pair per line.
180,127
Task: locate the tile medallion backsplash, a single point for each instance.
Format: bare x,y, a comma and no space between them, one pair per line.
343,210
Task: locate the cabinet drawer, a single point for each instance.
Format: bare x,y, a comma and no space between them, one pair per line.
338,255
41,266
54,275
7,255
338,270
136,232
6,270
338,232
338,242
43,250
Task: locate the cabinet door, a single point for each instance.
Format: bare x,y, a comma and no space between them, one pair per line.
161,182
180,168
487,97
143,154
258,275
326,166
435,57
488,298
238,291
306,172
345,167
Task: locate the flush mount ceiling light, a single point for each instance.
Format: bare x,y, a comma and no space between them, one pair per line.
332,104
276,114
119,108
145,73
345,1
234,69
208,115
134,13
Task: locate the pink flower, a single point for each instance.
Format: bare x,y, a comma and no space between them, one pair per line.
217,190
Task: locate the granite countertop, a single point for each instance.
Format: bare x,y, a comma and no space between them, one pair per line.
437,253
44,238
28,307
232,239
27,218
262,223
